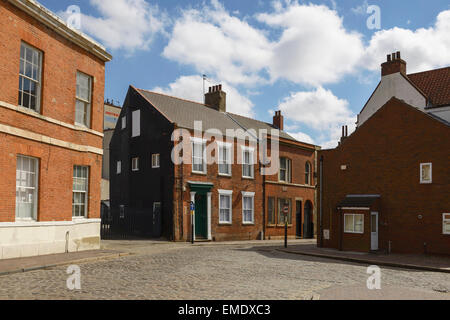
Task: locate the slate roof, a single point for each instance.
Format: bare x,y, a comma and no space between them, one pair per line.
358,201
185,112
435,84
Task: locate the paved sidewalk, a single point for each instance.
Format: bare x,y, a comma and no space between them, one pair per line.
9,266
408,261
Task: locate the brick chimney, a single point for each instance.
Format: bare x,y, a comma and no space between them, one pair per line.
278,120
216,98
394,64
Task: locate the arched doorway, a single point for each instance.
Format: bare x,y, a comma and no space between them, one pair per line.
308,225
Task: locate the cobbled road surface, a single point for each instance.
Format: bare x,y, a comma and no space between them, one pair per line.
235,271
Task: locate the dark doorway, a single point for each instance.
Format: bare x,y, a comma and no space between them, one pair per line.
156,230
299,222
201,216
308,226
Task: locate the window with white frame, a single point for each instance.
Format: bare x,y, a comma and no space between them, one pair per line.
30,77
136,123
446,223
225,157
426,173
247,162
225,206
155,160
308,173
248,207
83,100
124,122
353,223
135,164
285,170
80,191
27,187
198,156
119,167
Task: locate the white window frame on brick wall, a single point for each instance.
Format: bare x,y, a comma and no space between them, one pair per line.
251,163
354,223
80,173
30,73
136,123
422,165
27,182
83,99
224,162
156,157
197,142
124,122
226,193
135,164
119,167
250,195
446,223
287,170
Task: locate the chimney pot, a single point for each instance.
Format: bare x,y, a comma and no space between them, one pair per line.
278,120
394,64
216,98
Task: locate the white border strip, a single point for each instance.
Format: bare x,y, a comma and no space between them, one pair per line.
48,140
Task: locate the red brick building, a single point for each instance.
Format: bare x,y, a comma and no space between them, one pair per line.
387,186
51,121
220,171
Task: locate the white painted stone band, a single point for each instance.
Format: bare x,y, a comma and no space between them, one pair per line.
48,140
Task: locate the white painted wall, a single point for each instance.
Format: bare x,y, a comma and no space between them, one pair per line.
393,85
443,113
26,239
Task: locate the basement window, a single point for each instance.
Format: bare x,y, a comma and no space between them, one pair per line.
426,173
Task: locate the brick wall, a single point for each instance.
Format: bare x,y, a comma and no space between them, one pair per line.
383,157
297,190
61,60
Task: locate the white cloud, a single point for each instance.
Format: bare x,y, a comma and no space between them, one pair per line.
321,111
423,49
124,24
191,88
303,137
219,44
314,47
361,9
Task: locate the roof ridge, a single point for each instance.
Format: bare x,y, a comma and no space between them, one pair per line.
169,96
427,71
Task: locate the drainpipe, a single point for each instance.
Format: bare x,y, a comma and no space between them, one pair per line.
321,203
264,201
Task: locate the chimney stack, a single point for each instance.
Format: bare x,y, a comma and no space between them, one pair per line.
216,98
393,64
344,134
278,120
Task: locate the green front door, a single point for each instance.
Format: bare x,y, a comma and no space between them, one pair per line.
201,218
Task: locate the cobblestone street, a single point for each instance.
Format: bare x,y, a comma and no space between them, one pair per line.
234,271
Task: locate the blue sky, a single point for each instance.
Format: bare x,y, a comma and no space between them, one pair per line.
317,61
